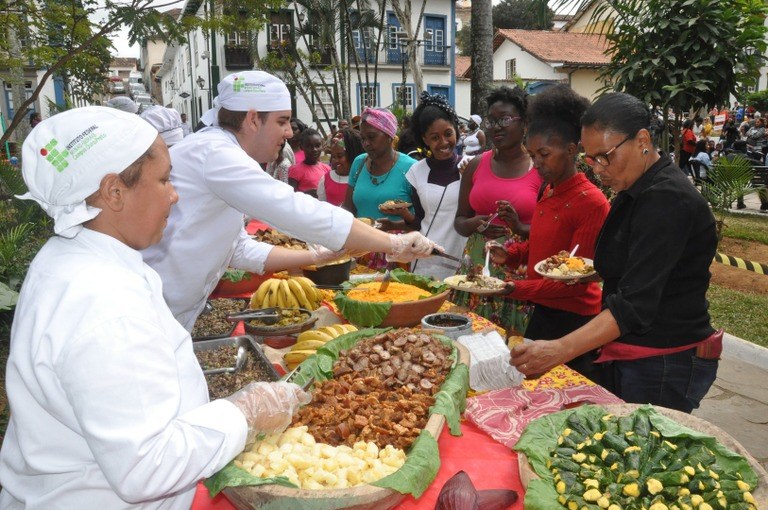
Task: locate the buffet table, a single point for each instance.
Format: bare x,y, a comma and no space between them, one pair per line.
489,463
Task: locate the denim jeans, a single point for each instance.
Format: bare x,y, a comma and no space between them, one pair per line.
678,381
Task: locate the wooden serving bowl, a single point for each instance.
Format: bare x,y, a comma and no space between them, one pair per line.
410,313
362,497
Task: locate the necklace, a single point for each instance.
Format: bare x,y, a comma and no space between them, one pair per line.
376,180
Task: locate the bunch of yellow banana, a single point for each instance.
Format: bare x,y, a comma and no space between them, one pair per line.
310,341
294,292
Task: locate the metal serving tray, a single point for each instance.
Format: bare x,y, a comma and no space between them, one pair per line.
225,334
256,355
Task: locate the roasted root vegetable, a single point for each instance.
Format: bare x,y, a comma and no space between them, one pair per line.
625,463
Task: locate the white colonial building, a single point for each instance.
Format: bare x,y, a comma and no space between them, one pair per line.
188,73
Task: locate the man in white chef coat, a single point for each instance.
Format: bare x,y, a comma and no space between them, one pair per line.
109,406
218,179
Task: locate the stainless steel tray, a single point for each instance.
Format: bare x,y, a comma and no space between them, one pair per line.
256,355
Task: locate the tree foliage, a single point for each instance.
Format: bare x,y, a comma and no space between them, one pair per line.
70,38
464,39
523,14
683,54
757,99
729,179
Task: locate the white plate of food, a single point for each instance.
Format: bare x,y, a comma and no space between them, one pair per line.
478,284
564,267
394,205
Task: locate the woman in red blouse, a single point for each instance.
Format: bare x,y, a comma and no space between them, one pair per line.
570,211
687,147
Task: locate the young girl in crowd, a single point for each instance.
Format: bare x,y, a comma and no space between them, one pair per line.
344,148
304,176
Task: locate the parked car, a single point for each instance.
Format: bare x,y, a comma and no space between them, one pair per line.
137,89
117,87
143,100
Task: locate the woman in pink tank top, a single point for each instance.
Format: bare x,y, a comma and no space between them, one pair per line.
501,181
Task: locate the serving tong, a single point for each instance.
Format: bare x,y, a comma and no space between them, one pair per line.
307,383
268,316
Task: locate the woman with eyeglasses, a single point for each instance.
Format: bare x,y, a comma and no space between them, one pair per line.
570,212
496,202
653,254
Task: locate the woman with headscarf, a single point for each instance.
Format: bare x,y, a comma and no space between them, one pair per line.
502,181
378,175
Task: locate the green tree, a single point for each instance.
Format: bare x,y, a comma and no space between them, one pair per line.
683,54
522,14
757,99
70,38
464,39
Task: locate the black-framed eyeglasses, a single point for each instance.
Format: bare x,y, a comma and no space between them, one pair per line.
502,122
603,159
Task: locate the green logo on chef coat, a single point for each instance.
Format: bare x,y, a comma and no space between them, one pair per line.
54,156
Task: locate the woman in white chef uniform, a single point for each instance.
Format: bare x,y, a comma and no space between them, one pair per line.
218,179
109,406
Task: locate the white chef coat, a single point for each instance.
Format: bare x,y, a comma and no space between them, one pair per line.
437,224
218,183
109,406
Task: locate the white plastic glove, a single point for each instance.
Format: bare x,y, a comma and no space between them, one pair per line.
410,246
322,255
268,407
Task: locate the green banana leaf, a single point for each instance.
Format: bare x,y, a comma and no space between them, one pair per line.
368,314
540,437
423,459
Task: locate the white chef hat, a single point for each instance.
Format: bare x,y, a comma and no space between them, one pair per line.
167,121
249,90
66,156
123,103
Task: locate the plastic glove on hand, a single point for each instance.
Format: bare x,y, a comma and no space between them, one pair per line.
322,255
410,246
268,407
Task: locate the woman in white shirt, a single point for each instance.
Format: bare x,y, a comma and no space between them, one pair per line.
109,406
474,141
